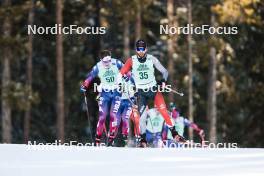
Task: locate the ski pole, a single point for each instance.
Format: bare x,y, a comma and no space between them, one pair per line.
88,116
176,92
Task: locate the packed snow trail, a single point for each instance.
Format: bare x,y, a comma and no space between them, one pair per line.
20,160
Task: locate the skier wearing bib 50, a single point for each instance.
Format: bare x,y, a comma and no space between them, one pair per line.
107,70
142,67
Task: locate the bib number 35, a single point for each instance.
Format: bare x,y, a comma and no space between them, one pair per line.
143,75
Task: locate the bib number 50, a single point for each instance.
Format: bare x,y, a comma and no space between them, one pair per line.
110,79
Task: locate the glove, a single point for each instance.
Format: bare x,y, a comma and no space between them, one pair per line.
83,89
120,87
126,78
84,86
98,97
163,83
176,136
179,138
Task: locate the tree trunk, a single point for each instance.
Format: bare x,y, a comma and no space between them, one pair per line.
211,103
29,73
171,49
6,76
126,34
97,38
190,71
138,21
60,74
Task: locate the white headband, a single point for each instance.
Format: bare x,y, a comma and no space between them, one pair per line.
106,58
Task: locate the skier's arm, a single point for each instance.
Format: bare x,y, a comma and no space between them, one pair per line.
194,126
119,64
91,75
127,67
161,69
187,122
126,75
124,70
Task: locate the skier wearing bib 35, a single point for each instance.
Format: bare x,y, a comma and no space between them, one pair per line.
142,67
107,70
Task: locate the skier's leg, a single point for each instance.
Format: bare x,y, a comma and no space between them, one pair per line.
125,116
126,113
103,112
158,143
142,104
119,114
116,101
135,117
149,137
161,107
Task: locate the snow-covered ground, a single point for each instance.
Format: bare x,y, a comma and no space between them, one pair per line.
19,160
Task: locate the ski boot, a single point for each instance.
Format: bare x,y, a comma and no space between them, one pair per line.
97,141
110,141
124,140
142,142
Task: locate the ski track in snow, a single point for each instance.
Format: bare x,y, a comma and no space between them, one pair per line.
20,160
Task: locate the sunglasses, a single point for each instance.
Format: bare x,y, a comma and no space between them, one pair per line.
141,49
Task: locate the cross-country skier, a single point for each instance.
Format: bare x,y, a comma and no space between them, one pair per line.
107,70
125,108
180,123
155,125
142,66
